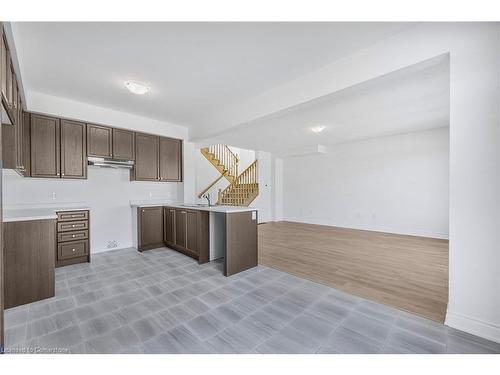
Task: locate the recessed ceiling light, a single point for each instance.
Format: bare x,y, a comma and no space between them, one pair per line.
318,129
136,87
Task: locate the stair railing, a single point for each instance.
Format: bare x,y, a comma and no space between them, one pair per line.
226,157
241,188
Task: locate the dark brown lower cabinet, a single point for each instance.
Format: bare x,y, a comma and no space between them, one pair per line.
73,245
241,242
28,261
187,231
150,228
169,226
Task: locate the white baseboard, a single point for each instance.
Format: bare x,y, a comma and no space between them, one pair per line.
105,250
474,326
418,233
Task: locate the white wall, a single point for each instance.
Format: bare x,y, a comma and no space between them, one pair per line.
106,191
265,178
395,184
57,106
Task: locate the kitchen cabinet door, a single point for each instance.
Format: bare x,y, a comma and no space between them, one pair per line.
150,231
8,90
170,159
45,153
19,135
180,228
169,229
192,232
146,157
99,141
26,144
14,97
123,144
3,66
73,149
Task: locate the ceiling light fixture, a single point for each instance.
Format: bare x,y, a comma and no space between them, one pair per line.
318,129
136,87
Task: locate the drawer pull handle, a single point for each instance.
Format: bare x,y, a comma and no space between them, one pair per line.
73,236
73,250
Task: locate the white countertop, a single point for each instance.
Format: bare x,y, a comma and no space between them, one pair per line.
27,214
39,211
188,206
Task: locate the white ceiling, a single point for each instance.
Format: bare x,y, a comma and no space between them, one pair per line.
195,70
413,99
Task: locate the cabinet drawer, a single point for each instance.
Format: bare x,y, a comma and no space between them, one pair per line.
72,236
70,250
72,226
73,215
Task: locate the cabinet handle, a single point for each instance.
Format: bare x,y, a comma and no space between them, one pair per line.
73,250
73,236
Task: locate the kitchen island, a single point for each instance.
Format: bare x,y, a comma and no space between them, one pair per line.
202,232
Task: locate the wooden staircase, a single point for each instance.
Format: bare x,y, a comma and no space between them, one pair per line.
223,159
243,188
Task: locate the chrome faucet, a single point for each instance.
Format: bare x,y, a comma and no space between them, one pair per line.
207,197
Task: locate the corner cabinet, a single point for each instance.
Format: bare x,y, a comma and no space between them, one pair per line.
149,228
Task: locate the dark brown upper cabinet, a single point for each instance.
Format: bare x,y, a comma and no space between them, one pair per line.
146,157
45,143
170,159
8,92
73,149
99,141
123,144
3,66
26,146
150,227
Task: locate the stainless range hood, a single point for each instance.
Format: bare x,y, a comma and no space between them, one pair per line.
111,163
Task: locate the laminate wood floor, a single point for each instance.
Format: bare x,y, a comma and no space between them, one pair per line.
406,272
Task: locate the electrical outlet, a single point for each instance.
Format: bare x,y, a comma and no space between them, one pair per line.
54,195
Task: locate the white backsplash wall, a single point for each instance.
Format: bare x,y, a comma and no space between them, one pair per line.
106,191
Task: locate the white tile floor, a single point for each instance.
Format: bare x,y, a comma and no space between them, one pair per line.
161,301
